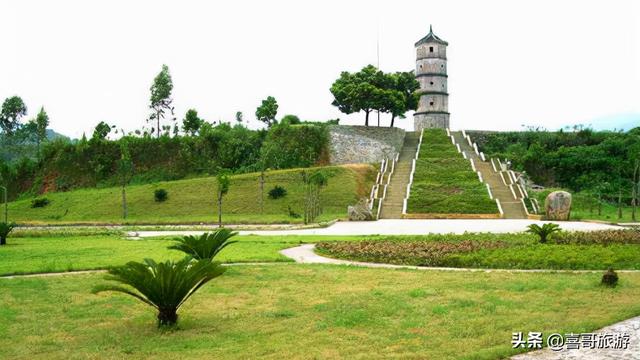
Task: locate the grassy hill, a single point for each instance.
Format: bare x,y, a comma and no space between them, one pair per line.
193,200
444,183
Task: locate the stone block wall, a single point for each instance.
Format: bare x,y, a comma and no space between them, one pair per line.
363,144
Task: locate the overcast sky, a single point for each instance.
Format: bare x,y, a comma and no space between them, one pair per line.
547,63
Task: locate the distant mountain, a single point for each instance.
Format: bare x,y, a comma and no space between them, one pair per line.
52,135
11,150
614,122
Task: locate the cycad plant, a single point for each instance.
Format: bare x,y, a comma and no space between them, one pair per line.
5,229
544,231
205,246
164,286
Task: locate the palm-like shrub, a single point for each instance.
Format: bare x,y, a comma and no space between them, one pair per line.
164,286
544,231
5,229
205,246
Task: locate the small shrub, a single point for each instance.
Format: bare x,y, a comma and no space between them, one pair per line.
610,278
39,202
160,195
205,246
5,229
544,231
277,192
293,213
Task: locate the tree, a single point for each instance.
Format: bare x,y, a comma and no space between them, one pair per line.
13,109
125,173
313,183
101,131
239,117
191,123
5,229
40,126
223,189
361,91
165,286
267,111
161,100
403,95
290,120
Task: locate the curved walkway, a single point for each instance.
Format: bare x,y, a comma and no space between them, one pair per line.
407,227
305,254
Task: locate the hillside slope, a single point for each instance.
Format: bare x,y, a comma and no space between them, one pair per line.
193,200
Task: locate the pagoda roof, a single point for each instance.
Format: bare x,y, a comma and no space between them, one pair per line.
431,38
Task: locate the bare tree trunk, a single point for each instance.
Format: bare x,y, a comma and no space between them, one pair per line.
634,190
619,203
262,192
366,118
124,203
219,209
599,203
158,129
393,119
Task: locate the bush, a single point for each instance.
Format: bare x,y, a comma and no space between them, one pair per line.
610,278
544,231
5,229
39,202
160,195
277,192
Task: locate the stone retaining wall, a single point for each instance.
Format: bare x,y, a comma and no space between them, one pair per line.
363,144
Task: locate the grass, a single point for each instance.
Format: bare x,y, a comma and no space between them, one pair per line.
497,251
306,311
444,182
193,200
584,207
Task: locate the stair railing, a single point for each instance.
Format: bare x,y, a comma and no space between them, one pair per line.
500,208
489,191
384,191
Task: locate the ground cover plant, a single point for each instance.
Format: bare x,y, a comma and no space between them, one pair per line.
331,311
580,250
194,200
444,182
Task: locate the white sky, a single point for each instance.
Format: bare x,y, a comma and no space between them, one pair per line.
547,63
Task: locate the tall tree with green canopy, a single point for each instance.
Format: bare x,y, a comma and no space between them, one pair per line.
161,100
267,111
191,123
40,126
403,95
13,109
361,91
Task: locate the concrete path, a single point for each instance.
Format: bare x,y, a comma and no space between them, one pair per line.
406,227
630,327
305,254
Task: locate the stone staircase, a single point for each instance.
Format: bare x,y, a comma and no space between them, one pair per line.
397,188
511,207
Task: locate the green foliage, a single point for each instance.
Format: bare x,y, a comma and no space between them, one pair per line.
444,183
277,192
603,237
164,286
191,123
267,111
205,246
39,202
160,195
610,278
223,183
5,230
544,231
161,101
290,119
13,109
101,131
371,89
294,146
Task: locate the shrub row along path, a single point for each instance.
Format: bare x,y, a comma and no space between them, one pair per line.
407,227
512,208
397,188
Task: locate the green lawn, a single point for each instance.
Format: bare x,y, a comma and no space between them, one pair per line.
444,182
304,311
193,200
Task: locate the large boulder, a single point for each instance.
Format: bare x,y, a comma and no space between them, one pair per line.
558,205
360,211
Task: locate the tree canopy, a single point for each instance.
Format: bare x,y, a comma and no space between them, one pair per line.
267,111
161,101
13,109
371,89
